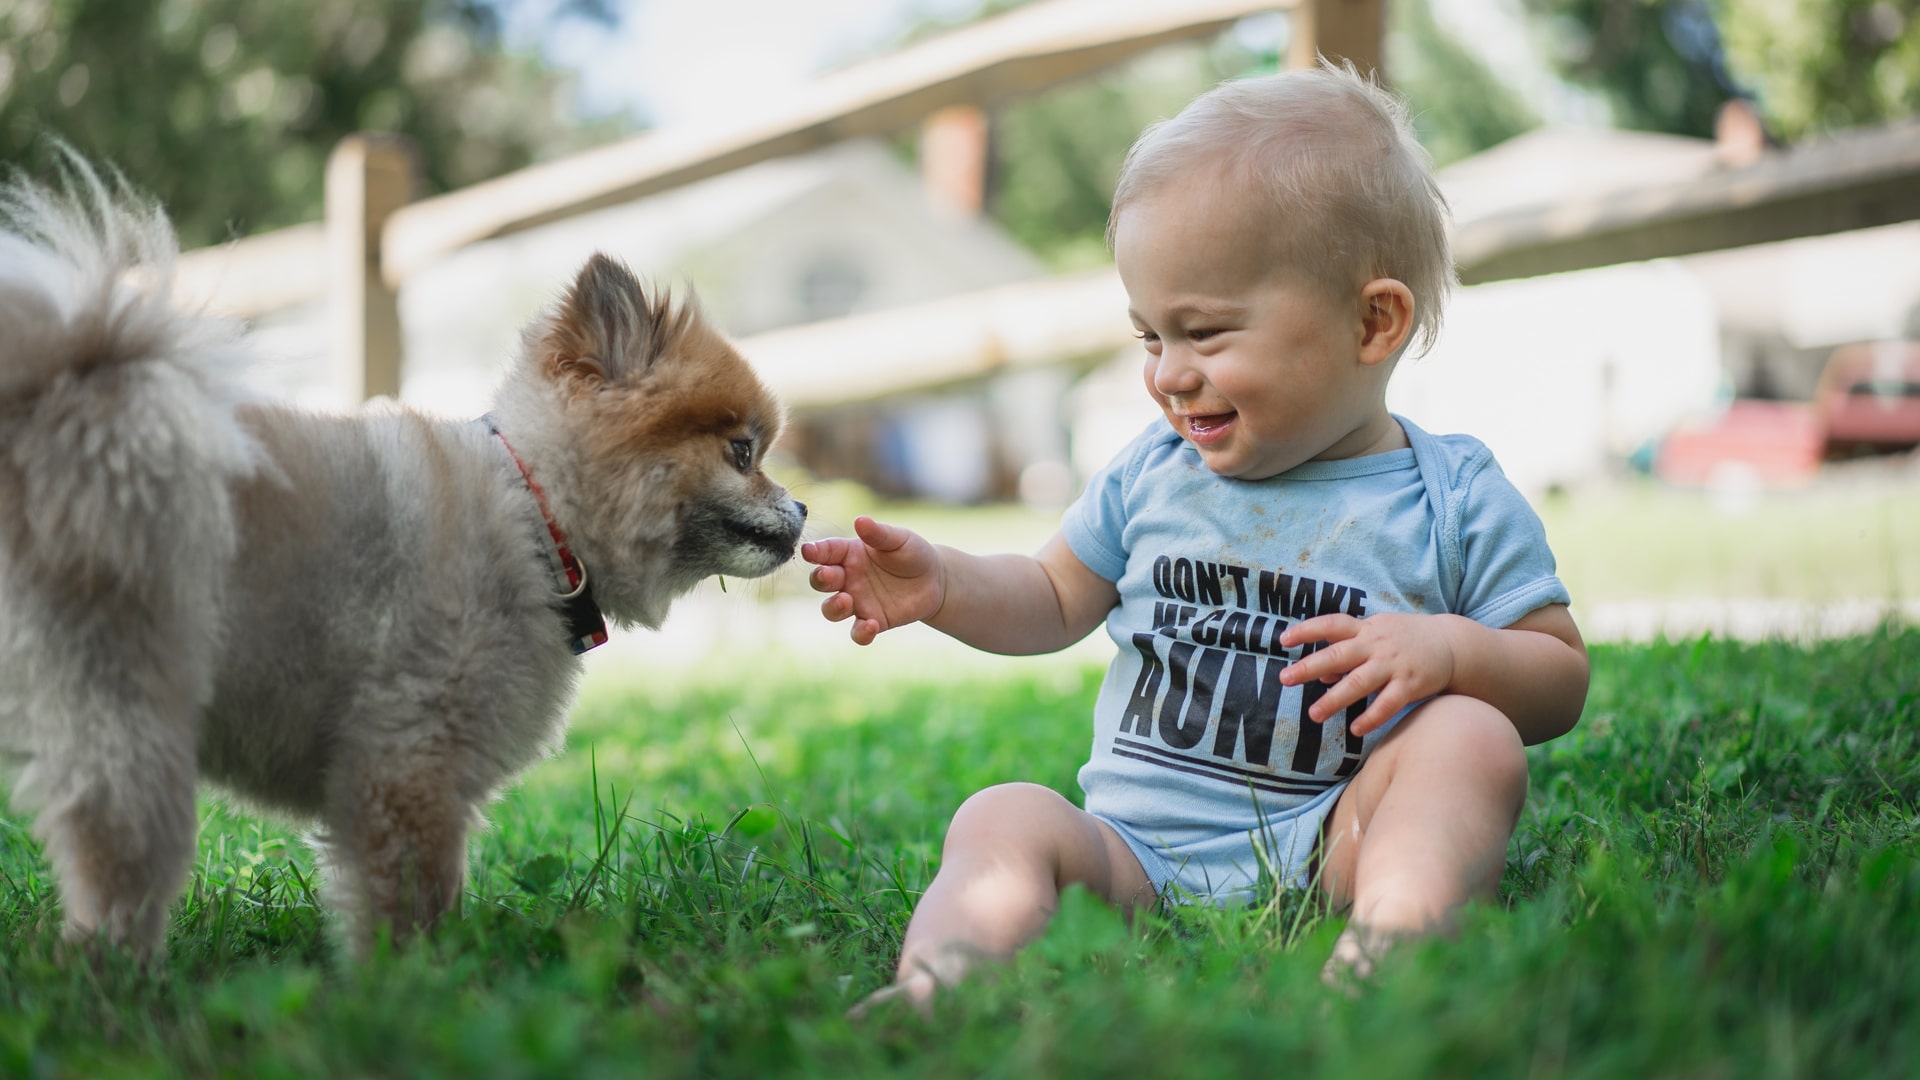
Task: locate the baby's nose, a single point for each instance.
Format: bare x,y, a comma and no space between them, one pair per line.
1171,375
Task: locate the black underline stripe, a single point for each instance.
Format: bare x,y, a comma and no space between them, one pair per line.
1203,763
1234,780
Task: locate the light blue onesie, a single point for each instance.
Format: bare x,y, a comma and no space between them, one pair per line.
1206,766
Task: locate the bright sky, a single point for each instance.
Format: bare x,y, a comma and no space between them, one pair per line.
684,61
1497,30
687,61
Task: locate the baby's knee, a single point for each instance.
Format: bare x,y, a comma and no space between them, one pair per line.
1008,817
1007,804
1480,734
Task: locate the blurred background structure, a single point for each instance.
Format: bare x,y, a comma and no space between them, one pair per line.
1689,229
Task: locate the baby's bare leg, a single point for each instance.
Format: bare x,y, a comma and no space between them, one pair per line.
1424,826
1009,852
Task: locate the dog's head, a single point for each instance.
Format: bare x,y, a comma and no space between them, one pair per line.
649,431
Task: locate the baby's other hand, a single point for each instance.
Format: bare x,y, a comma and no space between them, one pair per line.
1399,658
881,577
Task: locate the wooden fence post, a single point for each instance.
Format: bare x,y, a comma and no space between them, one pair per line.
1338,30
368,178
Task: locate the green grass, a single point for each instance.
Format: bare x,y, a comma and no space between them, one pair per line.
1829,542
1718,874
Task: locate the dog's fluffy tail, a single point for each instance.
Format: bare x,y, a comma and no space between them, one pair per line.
120,445
119,449
118,435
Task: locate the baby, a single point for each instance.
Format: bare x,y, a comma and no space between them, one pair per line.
1335,632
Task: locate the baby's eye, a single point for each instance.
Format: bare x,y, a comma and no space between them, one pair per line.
1201,335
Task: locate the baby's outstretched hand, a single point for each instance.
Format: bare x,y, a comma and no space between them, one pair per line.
881,577
1399,658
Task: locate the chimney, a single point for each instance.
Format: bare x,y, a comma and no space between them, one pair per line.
953,158
1739,135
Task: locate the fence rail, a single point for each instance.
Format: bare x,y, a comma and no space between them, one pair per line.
1023,51
374,240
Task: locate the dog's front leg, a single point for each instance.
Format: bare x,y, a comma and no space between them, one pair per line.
395,853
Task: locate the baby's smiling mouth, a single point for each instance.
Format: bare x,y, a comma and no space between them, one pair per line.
1208,427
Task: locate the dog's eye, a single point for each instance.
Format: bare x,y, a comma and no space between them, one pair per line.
743,454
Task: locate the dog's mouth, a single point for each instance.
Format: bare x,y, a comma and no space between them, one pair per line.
778,541
739,540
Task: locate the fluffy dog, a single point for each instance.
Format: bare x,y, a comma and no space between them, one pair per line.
367,622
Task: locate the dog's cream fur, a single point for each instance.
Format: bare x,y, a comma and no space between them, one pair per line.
348,619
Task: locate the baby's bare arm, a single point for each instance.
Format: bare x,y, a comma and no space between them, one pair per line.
1021,605
885,576
1534,671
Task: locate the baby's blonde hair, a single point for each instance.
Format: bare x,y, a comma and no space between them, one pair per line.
1349,190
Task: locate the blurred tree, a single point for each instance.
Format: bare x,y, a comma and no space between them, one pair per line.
226,109
1667,65
1056,155
1821,64
1460,107
1658,63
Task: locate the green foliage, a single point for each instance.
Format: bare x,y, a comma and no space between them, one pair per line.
226,110
1823,64
1460,107
1718,873
1667,65
1657,62
1056,155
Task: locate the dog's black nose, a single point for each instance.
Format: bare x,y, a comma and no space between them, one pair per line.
803,509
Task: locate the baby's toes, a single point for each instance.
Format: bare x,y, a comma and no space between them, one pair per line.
916,990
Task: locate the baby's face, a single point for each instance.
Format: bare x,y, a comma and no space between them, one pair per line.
1258,369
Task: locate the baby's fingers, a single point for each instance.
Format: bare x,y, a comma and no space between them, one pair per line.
1360,682
827,578
879,535
1320,628
1384,708
829,552
1326,664
837,607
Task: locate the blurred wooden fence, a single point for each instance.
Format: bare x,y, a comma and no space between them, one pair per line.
373,240
375,237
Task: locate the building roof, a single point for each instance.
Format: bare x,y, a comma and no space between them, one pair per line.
1556,164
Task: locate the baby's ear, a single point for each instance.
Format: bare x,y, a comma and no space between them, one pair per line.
607,329
1386,319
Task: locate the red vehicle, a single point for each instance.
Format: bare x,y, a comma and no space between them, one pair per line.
1869,398
1867,402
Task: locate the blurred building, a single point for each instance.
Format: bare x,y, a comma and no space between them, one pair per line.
1568,376
796,240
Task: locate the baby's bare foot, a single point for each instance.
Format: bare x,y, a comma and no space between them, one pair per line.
916,990
925,978
1354,956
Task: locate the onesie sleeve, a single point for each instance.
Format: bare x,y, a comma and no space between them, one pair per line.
1095,525
1507,570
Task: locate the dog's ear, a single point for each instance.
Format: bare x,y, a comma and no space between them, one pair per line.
607,329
